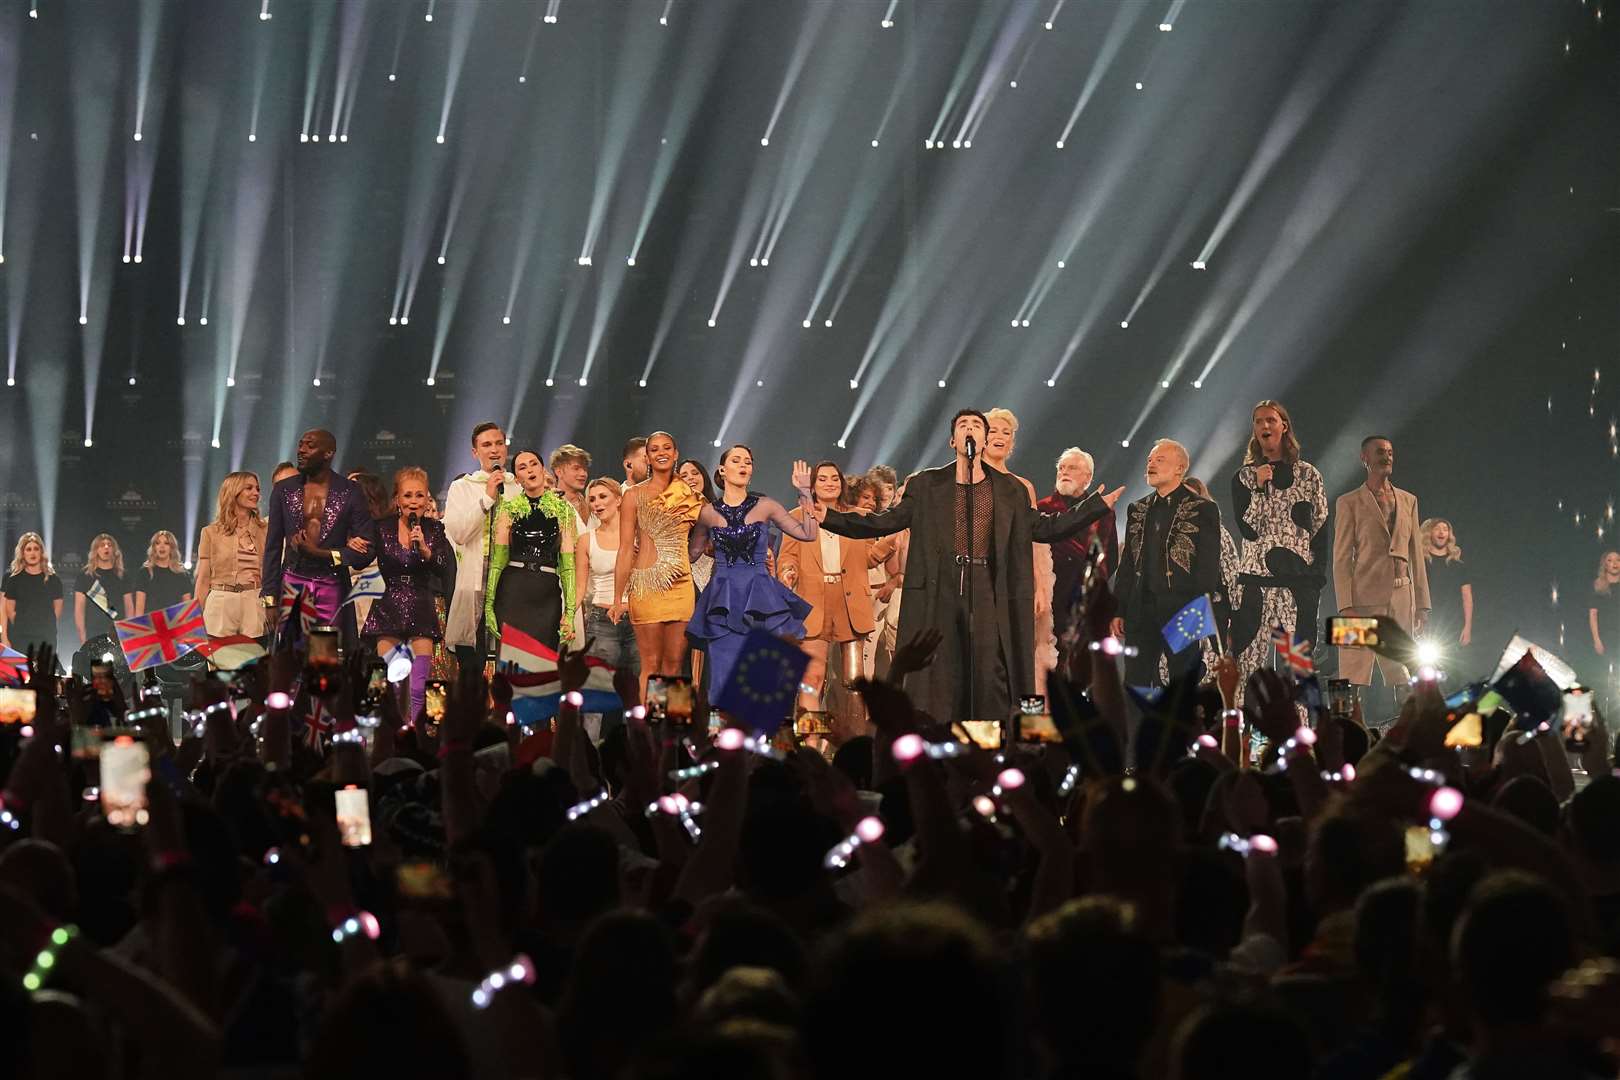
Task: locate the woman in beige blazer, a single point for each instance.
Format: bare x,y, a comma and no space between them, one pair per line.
229,556
830,573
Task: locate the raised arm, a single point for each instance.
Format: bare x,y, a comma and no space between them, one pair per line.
871,526
1051,528
805,526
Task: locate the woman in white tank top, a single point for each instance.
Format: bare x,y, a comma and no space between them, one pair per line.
615,644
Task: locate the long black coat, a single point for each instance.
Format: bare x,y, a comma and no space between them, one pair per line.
928,509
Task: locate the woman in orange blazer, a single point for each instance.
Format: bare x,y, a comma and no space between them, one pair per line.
830,573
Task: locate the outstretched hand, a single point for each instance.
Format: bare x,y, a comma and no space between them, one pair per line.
915,653
1109,498
802,477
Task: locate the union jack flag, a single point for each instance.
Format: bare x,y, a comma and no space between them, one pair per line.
13,666
1296,654
316,724
296,598
162,637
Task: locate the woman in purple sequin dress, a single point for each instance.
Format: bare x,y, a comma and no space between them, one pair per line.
415,557
742,596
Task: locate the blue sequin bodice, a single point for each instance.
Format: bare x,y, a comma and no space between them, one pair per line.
738,542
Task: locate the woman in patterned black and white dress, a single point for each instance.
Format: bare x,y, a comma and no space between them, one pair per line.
1281,507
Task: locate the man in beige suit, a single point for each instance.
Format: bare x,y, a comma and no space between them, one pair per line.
1378,566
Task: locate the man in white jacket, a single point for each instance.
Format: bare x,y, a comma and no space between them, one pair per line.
467,520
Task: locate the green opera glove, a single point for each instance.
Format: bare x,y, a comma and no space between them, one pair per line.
499,556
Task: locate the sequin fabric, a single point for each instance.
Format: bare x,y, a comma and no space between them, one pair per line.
736,541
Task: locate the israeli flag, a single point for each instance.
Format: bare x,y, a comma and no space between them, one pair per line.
399,663
369,583
97,592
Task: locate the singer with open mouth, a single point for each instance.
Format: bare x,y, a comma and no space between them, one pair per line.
970,574
414,556
469,521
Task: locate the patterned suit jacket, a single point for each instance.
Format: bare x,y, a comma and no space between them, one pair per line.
1192,557
346,516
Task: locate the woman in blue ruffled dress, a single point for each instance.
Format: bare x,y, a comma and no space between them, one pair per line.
743,596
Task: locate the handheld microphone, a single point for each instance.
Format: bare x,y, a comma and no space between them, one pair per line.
410,522
972,448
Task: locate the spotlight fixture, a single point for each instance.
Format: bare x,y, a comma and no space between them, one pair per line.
10,381
1013,84
807,324
391,76
132,380
631,261
1124,324
404,320
506,320
874,143
1164,384
137,136
441,260
203,321
887,24
1060,144
711,323
1061,264
1024,324
551,382
126,257
828,324
717,442
438,138
584,260
582,380
753,262
854,384
343,137
1198,384
765,261
765,142
1199,265
523,78
1048,26
1125,443
230,380
1051,382
759,382
642,383
393,320
430,380
967,144
316,381
252,137
180,320
83,320
928,144
1139,86
1015,324
942,384
215,443
303,136
1164,28
840,444
88,442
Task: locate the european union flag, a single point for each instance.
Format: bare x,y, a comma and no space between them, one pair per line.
764,682
1190,625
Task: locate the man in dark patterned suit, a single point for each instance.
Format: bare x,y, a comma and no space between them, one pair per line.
1172,556
314,516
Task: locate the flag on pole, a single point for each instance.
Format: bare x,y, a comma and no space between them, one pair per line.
230,653
764,682
369,583
97,592
536,688
1296,654
1190,625
296,598
163,636
13,666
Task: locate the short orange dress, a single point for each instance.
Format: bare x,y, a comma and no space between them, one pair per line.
663,591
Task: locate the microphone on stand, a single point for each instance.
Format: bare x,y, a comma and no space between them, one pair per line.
972,448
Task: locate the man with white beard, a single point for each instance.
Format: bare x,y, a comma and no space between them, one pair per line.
1074,473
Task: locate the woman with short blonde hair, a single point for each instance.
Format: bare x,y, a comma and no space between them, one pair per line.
230,556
